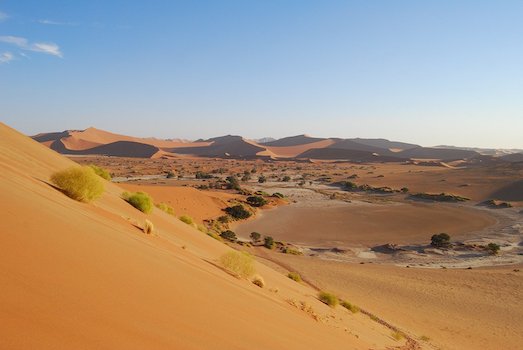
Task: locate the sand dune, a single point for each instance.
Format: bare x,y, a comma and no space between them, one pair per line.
82,276
437,153
346,154
226,146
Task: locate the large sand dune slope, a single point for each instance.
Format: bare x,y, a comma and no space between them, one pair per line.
81,276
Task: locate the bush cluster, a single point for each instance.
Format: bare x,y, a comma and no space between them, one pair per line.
328,298
140,200
79,183
239,263
238,212
104,174
256,201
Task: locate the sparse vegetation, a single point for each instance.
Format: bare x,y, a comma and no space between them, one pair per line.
397,335
292,251
255,236
258,280
351,307
187,220
256,201
268,242
262,179
294,276
238,212
493,248
440,240
165,207
104,174
232,183
140,200
79,183
229,235
240,264
328,298
442,197
148,227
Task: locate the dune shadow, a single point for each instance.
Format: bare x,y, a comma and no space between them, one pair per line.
511,192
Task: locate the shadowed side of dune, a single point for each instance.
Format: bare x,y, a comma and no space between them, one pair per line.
512,192
347,154
116,149
226,146
445,154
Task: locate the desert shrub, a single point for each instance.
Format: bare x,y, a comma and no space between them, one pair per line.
493,248
255,237
140,200
238,212
292,251
397,335
268,242
187,219
351,307
224,219
148,227
294,276
233,183
278,195
165,207
424,338
229,235
262,179
170,175
214,235
328,298
202,175
79,183
286,178
239,263
104,174
258,280
440,240
404,189
256,201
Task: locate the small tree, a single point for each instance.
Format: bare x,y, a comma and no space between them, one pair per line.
440,240
268,242
286,178
256,201
229,235
232,183
255,237
493,248
238,212
262,179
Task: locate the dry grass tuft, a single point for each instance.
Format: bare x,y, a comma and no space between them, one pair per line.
79,183
240,264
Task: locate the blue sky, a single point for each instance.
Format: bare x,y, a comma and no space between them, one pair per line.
429,72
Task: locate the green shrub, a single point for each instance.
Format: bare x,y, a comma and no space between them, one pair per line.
232,183
170,175
104,174
328,298
256,201
229,235
493,248
239,263
294,276
79,183
140,200
262,179
286,178
165,207
440,240
255,237
268,242
187,219
351,307
148,227
397,335
278,195
238,212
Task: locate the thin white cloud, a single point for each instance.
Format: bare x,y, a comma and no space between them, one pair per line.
24,44
56,23
6,57
3,16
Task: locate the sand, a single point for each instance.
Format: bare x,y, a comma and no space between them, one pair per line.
83,276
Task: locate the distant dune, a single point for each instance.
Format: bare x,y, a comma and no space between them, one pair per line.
347,154
437,153
96,141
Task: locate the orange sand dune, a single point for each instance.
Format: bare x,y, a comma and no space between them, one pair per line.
82,276
293,151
